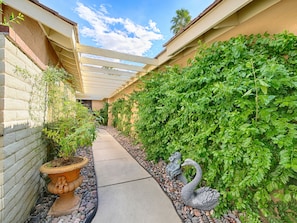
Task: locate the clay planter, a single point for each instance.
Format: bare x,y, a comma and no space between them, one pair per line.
64,181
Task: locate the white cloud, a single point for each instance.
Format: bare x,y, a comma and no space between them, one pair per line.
119,34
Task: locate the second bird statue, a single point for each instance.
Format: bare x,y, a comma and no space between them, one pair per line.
204,198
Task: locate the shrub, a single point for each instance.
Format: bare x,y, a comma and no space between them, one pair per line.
70,124
122,114
234,111
103,114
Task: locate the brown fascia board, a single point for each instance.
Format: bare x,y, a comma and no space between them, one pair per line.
36,2
205,11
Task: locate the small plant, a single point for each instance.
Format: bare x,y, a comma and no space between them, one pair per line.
71,125
12,18
76,129
68,124
103,114
99,119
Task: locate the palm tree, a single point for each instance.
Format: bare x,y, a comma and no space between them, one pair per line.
181,19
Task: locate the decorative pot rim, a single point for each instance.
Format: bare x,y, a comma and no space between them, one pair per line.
46,168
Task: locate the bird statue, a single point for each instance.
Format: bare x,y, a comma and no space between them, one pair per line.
204,198
173,169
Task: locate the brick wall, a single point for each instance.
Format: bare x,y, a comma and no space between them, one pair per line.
21,149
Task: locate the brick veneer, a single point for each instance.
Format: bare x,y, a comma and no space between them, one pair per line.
21,149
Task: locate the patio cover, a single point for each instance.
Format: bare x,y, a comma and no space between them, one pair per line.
98,73
101,73
105,72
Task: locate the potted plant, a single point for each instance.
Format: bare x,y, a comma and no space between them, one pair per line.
71,125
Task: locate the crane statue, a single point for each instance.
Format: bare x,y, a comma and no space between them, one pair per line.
204,198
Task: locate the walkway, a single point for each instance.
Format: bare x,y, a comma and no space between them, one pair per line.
127,193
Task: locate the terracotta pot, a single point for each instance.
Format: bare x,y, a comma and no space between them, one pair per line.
64,181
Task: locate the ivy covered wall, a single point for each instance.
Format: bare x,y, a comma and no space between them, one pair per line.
233,110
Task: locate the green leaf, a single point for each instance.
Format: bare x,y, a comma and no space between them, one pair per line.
263,89
263,83
285,159
248,93
294,164
249,64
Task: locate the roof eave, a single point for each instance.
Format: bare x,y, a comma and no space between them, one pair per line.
61,32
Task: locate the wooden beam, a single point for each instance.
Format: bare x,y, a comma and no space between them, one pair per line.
107,71
102,81
104,63
90,97
114,54
92,80
60,40
105,76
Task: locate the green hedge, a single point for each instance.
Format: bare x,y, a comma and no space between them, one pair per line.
103,114
234,111
121,111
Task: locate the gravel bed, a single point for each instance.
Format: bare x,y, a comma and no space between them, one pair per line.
87,191
171,188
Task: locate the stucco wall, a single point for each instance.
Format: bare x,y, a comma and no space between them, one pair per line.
278,18
21,148
97,105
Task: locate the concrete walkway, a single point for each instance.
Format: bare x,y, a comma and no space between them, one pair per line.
127,193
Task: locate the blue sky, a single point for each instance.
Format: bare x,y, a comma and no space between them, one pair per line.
139,27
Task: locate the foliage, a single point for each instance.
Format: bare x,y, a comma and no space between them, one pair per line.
116,109
234,111
59,91
12,18
75,129
180,21
71,125
122,114
99,119
103,114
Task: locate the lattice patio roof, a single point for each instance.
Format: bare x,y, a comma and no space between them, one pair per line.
99,73
104,72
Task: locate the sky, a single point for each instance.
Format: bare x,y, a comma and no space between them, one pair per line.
139,27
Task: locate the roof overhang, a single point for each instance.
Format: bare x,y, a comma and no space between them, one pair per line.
61,33
98,73
219,15
105,72
101,73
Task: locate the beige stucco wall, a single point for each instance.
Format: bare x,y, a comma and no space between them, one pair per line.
278,18
97,105
21,148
